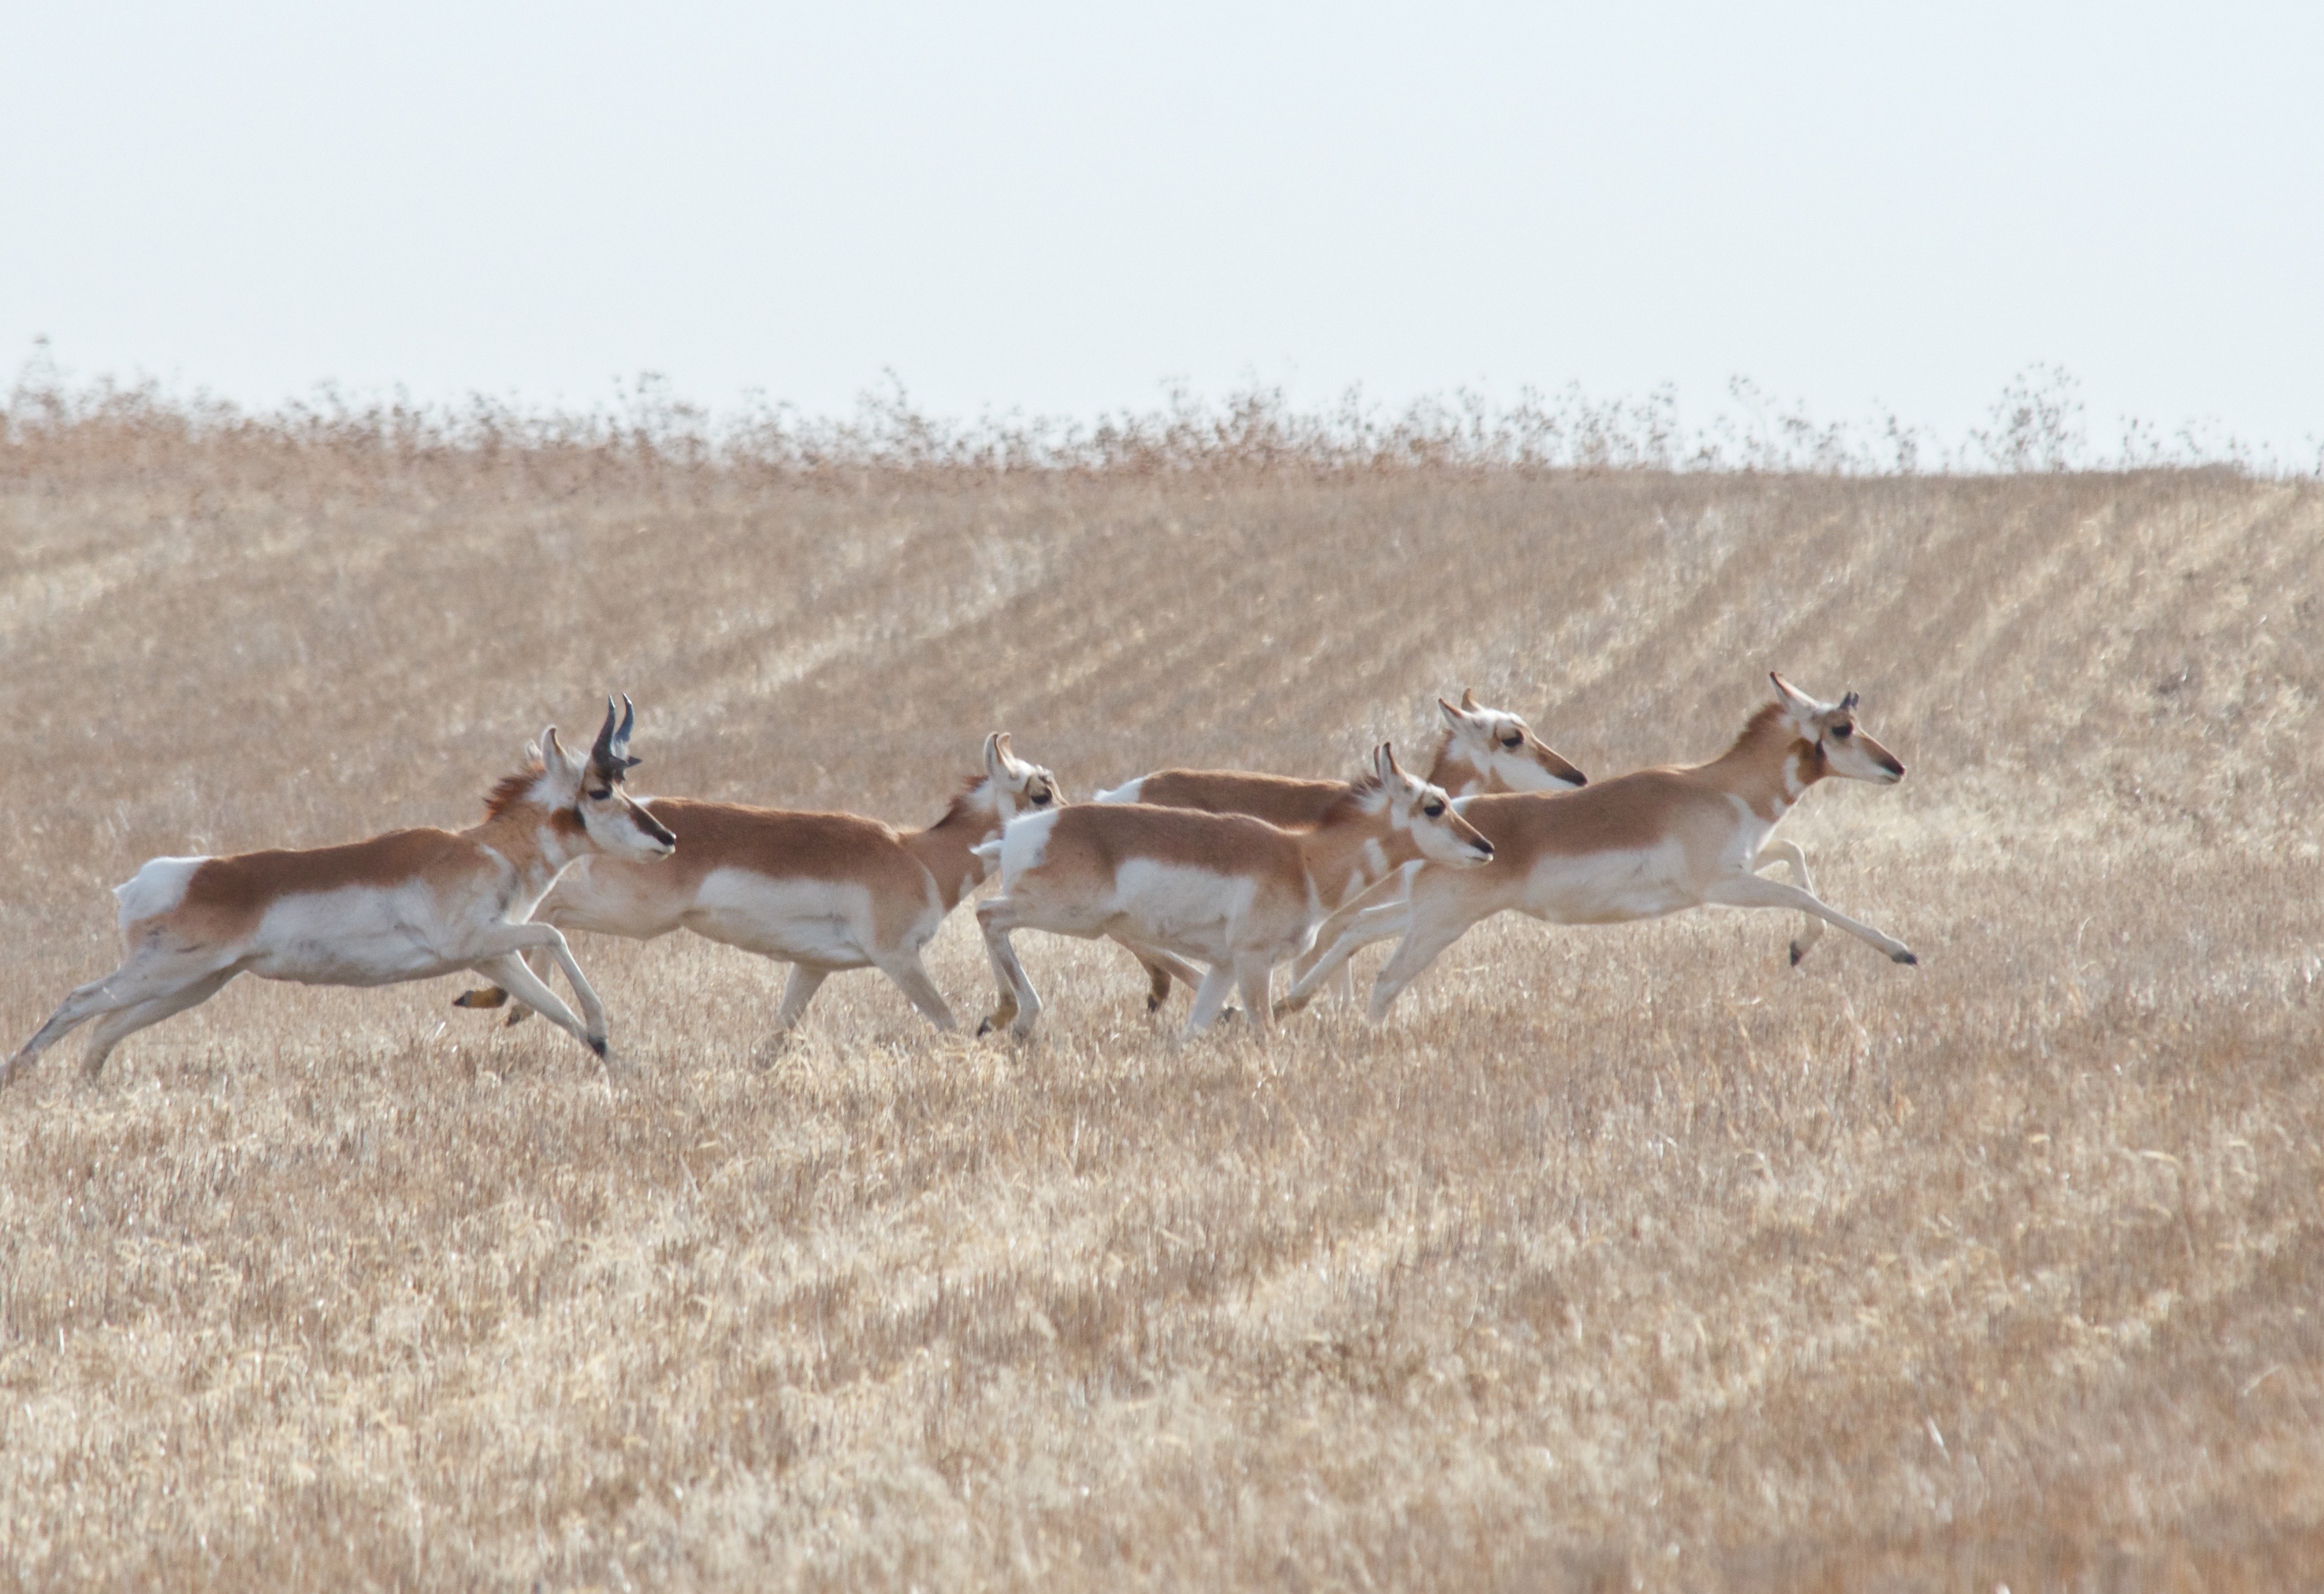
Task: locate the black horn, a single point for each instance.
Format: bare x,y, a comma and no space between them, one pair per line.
622,737
1848,702
602,754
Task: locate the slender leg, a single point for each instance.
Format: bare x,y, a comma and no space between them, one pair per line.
1163,967
1020,1004
797,992
137,981
507,938
1786,853
508,970
1254,975
492,996
122,1022
911,978
1419,948
1751,890
1209,997
1358,929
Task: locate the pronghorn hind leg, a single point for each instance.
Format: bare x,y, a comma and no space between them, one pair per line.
1752,890
1780,852
122,1022
798,990
911,978
133,983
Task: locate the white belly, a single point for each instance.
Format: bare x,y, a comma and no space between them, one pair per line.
824,924
1611,888
359,936
1193,912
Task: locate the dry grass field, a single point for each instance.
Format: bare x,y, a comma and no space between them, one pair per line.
1620,1257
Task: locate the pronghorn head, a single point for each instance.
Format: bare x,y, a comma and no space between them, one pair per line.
1836,746
1016,785
591,789
1496,742
1413,805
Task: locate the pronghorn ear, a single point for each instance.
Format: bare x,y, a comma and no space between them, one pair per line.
556,763
1468,700
1383,764
996,748
1790,697
1453,716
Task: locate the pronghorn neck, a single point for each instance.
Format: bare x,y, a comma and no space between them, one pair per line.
944,848
1356,839
1458,773
537,841
1771,765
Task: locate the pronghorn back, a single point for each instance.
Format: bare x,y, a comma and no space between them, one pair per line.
227,897
1280,799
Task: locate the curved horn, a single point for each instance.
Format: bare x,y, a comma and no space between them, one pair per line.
601,752
621,747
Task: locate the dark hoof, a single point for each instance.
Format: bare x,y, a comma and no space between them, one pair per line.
1906,957
1153,1002
1798,952
984,1030
597,1045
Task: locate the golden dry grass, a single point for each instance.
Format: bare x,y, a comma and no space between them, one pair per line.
1620,1257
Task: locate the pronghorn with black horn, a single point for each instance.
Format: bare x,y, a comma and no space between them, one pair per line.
1482,750
1638,846
409,904
1224,889
820,891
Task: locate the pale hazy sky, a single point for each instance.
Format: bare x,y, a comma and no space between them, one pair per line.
1059,207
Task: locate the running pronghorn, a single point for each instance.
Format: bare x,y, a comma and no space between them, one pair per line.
409,904
1482,750
1637,846
822,892
1225,890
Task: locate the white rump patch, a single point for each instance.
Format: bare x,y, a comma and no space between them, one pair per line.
155,888
1127,792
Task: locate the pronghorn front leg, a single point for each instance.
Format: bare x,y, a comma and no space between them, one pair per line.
514,938
1210,996
507,971
1780,852
911,978
1753,890
1356,928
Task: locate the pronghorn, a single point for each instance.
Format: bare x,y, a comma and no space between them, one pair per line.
1637,846
822,892
1481,750
409,904
1225,890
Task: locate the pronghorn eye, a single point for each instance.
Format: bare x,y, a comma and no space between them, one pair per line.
600,795
1040,799
1514,738
1843,732
1434,810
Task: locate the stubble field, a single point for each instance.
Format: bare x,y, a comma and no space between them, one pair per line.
1619,1257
